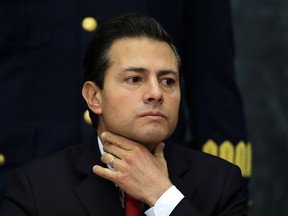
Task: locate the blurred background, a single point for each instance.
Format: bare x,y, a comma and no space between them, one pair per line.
261,42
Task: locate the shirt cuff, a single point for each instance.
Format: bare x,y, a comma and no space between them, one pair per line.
166,203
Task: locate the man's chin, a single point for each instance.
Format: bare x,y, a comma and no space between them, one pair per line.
153,138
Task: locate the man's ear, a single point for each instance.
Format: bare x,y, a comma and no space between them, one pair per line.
92,95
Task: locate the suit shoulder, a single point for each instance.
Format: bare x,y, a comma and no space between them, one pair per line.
53,163
204,160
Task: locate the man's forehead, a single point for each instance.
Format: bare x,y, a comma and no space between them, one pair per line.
136,49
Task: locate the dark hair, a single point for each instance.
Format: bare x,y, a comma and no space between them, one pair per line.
97,60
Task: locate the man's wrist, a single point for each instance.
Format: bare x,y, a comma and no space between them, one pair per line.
166,203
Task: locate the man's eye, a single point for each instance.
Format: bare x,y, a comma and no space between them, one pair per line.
168,81
134,79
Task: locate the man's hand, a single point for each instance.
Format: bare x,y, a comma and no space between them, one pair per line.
140,173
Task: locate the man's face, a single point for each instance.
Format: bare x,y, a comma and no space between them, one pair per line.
141,95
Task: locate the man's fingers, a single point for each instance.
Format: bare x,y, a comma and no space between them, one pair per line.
103,172
109,159
114,150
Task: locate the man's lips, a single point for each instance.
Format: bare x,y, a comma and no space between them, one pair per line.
154,115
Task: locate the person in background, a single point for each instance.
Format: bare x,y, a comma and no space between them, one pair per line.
42,42
132,90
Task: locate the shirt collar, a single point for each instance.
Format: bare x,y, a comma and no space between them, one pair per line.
100,145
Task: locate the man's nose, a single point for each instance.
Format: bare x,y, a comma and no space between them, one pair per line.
153,92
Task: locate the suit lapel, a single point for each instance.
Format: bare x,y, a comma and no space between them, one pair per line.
97,195
179,170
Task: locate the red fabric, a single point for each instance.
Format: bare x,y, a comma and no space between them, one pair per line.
132,206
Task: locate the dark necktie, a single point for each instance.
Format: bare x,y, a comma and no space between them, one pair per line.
132,206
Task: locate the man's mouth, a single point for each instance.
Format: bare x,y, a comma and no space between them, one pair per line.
154,115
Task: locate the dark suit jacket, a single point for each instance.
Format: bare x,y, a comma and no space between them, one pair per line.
64,184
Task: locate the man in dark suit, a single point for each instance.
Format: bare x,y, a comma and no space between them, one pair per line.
41,44
132,90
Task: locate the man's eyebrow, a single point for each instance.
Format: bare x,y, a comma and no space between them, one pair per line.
168,71
135,69
145,70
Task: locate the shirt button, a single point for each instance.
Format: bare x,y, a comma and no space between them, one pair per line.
2,159
89,24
